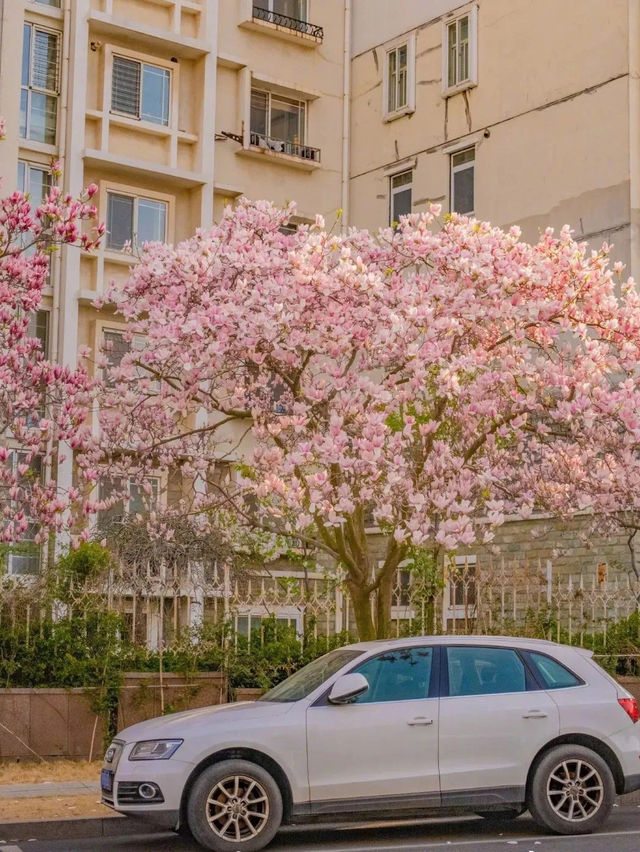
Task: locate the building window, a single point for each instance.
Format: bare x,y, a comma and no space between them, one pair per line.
296,9
24,556
275,118
34,181
40,83
134,221
400,196
54,3
39,328
397,90
462,181
140,90
138,501
459,51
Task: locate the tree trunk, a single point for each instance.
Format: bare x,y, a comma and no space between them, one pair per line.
383,606
362,611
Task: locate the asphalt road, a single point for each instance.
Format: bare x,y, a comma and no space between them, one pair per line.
621,834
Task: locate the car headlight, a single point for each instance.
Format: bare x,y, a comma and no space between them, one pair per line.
154,749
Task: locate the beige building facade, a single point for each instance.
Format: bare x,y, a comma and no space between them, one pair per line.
520,112
174,108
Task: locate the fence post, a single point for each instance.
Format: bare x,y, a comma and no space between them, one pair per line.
549,580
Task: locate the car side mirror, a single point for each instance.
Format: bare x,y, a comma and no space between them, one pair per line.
347,688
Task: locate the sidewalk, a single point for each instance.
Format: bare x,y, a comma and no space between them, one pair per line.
49,788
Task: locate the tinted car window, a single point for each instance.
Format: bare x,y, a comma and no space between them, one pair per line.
484,671
305,680
398,675
552,673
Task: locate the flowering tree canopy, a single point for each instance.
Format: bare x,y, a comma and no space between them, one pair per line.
428,379
42,404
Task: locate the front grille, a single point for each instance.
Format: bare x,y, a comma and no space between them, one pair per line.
129,793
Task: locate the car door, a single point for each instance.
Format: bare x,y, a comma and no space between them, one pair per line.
493,720
383,745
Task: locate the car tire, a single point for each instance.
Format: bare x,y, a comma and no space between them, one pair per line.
571,791
502,815
234,804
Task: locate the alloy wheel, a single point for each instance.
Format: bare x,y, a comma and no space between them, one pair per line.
237,808
575,790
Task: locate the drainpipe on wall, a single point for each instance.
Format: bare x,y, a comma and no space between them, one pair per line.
346,115
634,135
62,146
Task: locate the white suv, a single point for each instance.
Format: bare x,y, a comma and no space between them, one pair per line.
490,725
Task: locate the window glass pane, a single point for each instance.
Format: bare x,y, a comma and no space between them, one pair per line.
39,185
392,81
39,328
155,94
397,675
55,3
119,220
484,671
44,73
152,221
452,54
463,194
553,674
24,106
291,8
259,106
466,156
125,87
26,54
43,113
116,347
308,678
401,204
115,513
286,123
22,177
464,28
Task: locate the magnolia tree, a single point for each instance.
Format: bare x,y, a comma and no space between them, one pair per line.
430,379
42,405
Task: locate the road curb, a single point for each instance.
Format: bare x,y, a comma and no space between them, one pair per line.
76,828
73,828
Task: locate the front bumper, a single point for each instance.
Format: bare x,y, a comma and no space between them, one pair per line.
631,783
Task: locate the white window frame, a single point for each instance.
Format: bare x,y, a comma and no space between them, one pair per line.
454,170
393,191
472,80
410,42
270,95
450,610
52,93
136,199
142,62
291,613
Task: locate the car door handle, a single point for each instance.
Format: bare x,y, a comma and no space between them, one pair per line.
420,720
534,714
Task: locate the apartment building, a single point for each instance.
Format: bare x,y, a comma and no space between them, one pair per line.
173,108
518,112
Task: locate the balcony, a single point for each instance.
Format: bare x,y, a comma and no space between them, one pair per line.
271,22
280,146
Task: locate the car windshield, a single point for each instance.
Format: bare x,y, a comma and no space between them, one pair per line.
305,680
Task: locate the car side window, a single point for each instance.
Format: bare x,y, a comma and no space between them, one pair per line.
552,673
484,671
397,675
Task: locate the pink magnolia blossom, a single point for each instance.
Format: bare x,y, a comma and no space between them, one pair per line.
429,379
42,404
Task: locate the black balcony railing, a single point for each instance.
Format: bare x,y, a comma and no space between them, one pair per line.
290,23
293,149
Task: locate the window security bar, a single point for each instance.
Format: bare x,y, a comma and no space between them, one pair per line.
288,22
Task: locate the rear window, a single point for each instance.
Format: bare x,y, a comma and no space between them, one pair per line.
552,673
